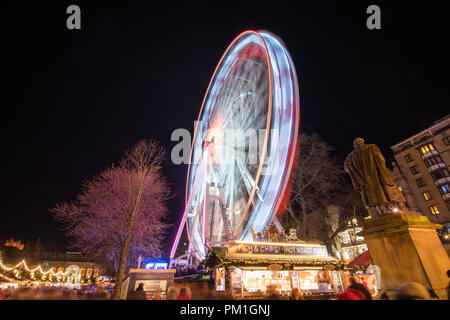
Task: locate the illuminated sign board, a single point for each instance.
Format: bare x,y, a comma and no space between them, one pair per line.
277,248
156,265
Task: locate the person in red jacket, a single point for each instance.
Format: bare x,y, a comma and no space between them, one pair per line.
354,284
185,294
352,294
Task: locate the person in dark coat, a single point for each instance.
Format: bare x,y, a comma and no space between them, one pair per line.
139,294
360,287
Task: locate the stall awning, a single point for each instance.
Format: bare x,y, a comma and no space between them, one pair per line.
217,257
363,259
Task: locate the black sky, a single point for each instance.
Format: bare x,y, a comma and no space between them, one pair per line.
74,100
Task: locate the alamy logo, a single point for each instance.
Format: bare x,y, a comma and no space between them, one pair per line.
374,20
74,20
227,147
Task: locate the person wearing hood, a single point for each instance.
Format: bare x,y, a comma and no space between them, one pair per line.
360,287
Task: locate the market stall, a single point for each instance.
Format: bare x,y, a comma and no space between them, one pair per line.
362,269
247,269
152,279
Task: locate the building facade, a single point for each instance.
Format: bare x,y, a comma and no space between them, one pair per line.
421,171
346,243
350,245
74,266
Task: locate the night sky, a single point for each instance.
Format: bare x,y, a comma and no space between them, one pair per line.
74,100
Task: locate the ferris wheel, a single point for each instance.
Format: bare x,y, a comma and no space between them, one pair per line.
244,146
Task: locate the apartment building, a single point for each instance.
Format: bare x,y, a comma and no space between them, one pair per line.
421,171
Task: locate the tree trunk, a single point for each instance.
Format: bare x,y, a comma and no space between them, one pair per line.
124,253
304,224
122,263
292,214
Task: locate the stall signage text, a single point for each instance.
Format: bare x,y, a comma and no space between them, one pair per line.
261,248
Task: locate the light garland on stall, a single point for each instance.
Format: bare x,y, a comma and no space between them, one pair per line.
47,277
6,278
58,273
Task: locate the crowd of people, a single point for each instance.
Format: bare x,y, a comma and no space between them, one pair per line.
408,291
356,290
55,293
173,293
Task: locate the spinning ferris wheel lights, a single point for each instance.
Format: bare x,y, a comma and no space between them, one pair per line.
254,89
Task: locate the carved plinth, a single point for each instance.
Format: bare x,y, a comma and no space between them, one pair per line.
407,248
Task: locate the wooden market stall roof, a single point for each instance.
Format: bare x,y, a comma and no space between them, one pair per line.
220,257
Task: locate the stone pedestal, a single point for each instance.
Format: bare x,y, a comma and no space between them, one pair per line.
407,248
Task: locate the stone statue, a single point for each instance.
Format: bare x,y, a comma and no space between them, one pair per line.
367,169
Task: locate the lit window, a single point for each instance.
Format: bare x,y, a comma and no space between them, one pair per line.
427,148
434,210
399,188
427,196
445,189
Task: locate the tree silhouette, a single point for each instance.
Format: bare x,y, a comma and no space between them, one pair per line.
318,179
120,213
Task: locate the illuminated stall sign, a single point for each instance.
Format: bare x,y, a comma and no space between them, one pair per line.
156,265
273,248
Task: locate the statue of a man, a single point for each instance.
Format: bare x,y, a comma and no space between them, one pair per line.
367,169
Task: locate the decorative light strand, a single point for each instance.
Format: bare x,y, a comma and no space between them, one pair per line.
7,278
60,273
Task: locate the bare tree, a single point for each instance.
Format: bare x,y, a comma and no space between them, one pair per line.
351,203
317,180
121,210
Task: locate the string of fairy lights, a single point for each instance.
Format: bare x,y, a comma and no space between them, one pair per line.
22,273
6,278
15,270
24,264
